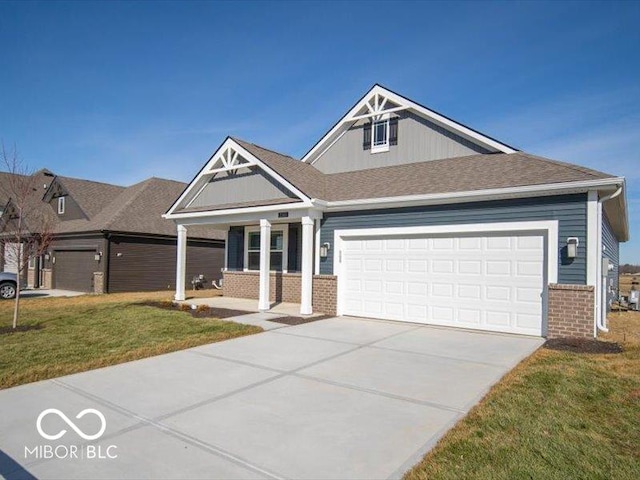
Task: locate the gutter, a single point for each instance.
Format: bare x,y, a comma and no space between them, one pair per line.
468,196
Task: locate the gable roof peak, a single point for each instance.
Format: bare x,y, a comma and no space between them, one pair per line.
381,100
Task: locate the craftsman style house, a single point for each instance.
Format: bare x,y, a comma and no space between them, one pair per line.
401,213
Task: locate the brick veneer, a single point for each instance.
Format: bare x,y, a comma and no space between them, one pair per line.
46,278
325,293
98,282
570,311
283,287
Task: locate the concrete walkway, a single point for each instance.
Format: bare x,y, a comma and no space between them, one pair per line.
249,305
257,318
337,398
47,293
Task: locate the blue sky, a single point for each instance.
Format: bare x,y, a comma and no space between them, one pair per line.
118,92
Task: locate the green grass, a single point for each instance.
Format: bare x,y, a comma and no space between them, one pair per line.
558,415
77,334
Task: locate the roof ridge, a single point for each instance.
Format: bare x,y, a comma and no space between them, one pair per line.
265,148
92,181
143,186
432,162
571,166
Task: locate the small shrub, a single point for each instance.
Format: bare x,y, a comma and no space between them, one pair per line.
185,308
202,309
166,304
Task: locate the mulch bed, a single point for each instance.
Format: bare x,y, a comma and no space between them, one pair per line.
212,312
299,320
225,312
583,345
201,312
19,328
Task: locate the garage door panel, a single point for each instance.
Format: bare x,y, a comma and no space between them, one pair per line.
73,270
491,282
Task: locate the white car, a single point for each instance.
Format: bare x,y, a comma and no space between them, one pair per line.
8,283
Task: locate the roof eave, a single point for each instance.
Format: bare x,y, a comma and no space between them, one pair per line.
473,195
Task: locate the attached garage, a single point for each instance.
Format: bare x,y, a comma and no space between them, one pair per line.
73,270
486,277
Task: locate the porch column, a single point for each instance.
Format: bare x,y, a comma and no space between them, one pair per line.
306,290
265,264
181,263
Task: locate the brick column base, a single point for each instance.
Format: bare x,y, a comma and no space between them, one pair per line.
98,282
47,278
325,294
283,287
571,310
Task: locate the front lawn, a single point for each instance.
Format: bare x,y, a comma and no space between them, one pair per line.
65,335
558,415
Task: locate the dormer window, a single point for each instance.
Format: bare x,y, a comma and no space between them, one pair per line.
380,134
380,137
60,205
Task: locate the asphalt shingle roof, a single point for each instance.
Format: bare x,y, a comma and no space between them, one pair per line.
450,175
136,209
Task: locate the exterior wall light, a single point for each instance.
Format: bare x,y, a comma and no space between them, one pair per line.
324,250
572,247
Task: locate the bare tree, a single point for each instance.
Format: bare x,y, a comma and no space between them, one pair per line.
26,225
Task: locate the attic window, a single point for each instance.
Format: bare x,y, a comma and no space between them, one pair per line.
380,134
60,205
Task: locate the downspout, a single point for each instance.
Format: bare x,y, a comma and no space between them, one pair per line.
106,259
601,302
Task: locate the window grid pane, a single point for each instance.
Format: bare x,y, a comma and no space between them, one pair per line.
380,131
276,254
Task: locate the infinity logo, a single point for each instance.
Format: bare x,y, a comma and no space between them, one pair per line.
71,424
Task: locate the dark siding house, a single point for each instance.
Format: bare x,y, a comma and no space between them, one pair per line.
108,238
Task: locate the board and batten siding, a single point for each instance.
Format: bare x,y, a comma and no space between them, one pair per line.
147,264
569,210
612,252
419,140
253,186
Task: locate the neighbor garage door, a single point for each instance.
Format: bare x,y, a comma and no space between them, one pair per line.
73,270
479,281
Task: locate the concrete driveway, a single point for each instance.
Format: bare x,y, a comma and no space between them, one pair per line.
337,398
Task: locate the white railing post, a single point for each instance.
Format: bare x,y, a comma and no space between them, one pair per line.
306,287
265,264
181,263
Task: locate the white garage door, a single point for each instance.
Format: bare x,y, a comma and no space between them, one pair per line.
487,282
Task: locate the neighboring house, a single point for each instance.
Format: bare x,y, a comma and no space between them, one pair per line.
108,238
401,213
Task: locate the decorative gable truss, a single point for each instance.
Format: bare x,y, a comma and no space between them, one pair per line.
378,103
230,160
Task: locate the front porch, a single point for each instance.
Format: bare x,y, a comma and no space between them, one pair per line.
274,262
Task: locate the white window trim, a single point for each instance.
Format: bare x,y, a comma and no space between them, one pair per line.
285,246
61,205
383,147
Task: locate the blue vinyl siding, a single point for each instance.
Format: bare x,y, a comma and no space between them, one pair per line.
569,210
235,248
612,252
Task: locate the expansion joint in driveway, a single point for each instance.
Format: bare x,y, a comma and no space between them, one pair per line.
145,421
378,392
